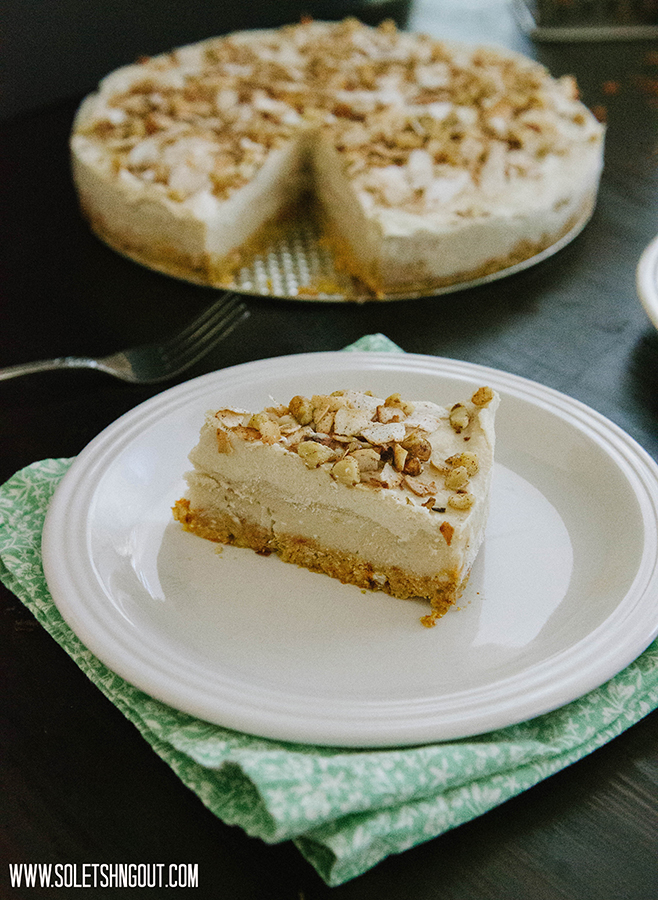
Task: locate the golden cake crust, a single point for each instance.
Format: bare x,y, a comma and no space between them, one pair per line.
441,591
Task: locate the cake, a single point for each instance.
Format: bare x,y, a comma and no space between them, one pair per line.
387,494
431,163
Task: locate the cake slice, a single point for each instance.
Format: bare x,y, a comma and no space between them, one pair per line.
386,494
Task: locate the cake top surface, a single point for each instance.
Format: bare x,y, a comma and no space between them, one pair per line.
422,453
419,123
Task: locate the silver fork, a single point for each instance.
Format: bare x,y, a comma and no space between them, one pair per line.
150,363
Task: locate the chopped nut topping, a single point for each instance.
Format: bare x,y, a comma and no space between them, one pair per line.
377,433
368,459
420,488
447,531
324,420
418,447
483,396
302,409
396,402
344,433
294,440
346,471
386,414
457,478
412,466
268,428
331,402
277,411
459,417
461,501
467,459
315,454
399,457
350,421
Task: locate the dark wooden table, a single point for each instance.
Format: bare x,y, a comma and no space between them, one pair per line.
77,782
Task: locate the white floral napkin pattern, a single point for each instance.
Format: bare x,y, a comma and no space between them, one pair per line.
346,810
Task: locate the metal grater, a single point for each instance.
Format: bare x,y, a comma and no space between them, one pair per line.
297,264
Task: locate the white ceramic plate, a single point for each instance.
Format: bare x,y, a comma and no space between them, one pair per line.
647,280
563,595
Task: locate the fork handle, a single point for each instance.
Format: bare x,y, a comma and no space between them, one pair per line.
46,365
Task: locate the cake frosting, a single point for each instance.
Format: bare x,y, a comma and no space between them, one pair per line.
384,493
432,162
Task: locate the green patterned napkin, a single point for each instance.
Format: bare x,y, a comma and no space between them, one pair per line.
345,809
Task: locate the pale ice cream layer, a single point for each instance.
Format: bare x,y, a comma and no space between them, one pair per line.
272,486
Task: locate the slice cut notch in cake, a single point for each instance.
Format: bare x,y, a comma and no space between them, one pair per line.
386,494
